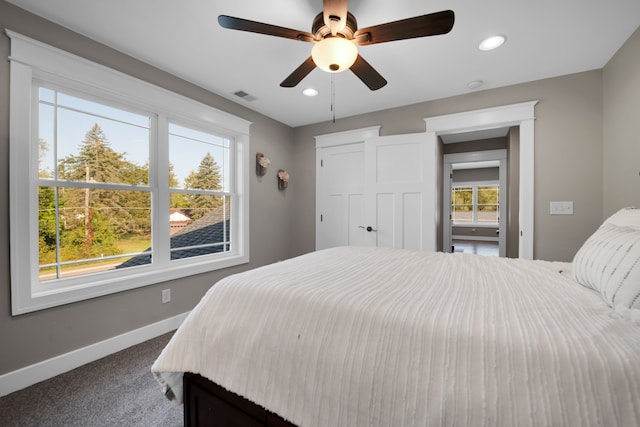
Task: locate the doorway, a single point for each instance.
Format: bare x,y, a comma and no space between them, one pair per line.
519,115
475,202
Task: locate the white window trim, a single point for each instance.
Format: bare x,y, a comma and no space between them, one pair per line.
32,60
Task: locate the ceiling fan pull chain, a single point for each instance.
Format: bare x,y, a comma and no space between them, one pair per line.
333,96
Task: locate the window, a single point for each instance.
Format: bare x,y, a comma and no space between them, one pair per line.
475,204
203,194
90,157
116,183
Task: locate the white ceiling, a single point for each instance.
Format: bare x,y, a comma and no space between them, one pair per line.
545,38
476,165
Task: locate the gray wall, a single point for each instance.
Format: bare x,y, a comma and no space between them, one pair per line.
34,337
568,154
621,78
499,143
470,175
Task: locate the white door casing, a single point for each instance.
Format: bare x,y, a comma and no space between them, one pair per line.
508,115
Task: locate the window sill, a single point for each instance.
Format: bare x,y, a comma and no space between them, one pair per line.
109,283
474,225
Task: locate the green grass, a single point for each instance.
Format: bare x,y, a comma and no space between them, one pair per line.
133,244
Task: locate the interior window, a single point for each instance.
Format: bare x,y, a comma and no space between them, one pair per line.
475,204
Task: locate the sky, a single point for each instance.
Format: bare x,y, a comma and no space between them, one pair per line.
126,132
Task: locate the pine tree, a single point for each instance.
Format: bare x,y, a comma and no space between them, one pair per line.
94,218
96,161
207,177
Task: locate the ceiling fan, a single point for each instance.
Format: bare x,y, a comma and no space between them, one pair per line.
335,35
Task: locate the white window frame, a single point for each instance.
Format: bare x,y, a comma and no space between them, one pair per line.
474,186
33,62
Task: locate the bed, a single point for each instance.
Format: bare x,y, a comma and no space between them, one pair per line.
356,336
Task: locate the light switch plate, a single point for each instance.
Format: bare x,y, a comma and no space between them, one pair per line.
561,208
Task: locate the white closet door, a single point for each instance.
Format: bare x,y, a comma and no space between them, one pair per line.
340,186
400,191
380,192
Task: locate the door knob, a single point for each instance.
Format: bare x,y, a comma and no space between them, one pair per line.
368,228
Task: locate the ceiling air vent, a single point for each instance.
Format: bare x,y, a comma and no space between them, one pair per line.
244,95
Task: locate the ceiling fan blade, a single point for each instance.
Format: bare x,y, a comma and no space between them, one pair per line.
234,23
420,26
335,14
299,73
369,76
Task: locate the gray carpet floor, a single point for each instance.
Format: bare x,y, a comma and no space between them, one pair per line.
118,390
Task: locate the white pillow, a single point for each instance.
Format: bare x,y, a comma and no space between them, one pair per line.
609,262
625,217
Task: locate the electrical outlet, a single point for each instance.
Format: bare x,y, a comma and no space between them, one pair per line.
166,296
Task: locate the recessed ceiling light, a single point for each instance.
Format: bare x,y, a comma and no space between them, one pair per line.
310,92
475,84
492,42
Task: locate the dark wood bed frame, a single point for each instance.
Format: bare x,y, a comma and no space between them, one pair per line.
208,404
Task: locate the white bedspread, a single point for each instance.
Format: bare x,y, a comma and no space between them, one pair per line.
383,337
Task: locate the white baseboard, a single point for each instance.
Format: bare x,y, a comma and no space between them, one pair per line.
29,375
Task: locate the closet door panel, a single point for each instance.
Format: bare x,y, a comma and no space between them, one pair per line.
340,197
400,191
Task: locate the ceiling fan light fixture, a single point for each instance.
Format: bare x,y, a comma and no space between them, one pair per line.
492,42
335,35
334,54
